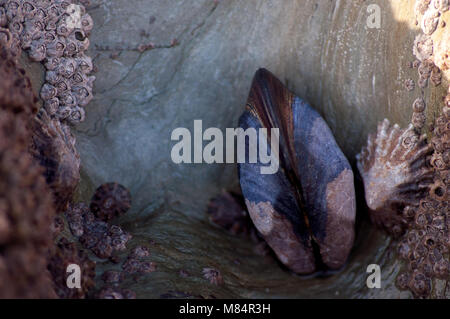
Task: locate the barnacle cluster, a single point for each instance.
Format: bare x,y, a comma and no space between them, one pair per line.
110,200
26,209
426,245
134,264
56,34
94,234
91,225
429,55
423,214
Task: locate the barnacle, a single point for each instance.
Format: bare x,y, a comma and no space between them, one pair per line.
110,200
38,51
436,76
419,105
140,252
418,120
87,23
111,276
28,9
103,239
409,85
425,69
395,173
43,29
132,265
51,64
213,275
83,94
3,17
48,92
430,22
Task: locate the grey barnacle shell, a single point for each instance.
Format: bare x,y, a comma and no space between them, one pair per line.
28,9
395,173
40,14
419,105
83,94
49,37
90,81
81,40
51,106
87,23
13,8
68,99
53,13
16,26
425,69
78,78
84,63
63,86
51,25
53,77
421,6
71,48
67,67
48,92
77,115
56,48
44,3
35,28
418,120
63,112
63,29
38,51
38,25
430,21
64,4
52,63
26,38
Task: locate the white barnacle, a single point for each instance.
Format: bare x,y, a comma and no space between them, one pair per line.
395,173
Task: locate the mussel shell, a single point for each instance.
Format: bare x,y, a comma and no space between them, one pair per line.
306,210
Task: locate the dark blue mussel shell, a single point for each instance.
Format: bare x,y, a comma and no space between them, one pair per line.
306,210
